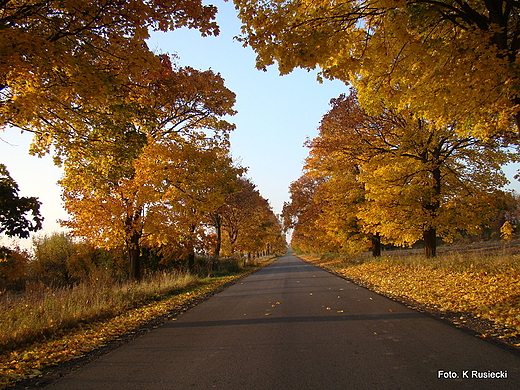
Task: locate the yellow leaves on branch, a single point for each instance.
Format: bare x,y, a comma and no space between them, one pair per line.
152,167
393,175
65,61
455,62
507,231
175,184
248,223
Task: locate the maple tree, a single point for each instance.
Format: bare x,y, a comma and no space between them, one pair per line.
164,203
248,222
167,143
64,61
196,178
301,215
507,231
408,179
449,60
14,220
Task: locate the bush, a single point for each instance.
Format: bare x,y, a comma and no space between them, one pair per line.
13,268
61,261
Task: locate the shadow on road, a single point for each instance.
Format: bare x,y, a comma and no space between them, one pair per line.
274,320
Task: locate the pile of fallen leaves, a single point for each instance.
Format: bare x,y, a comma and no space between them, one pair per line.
29,361
487,289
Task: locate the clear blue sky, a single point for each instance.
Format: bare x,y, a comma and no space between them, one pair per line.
276,114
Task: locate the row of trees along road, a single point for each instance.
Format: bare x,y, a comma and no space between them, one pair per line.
438,84
143,143
393,178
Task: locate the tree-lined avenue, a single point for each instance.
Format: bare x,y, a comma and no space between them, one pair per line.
292,325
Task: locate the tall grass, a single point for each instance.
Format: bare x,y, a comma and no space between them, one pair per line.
42,311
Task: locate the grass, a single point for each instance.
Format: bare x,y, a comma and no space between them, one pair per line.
46,327
43,311
484,283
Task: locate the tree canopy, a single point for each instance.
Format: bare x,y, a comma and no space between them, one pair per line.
144,143
396,177
152,172
65,62
18,215
450,60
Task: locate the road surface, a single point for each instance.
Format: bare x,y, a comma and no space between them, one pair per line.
292,325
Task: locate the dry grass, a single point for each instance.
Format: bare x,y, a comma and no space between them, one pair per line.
47,327
43,311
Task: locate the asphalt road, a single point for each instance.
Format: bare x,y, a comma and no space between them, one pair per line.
294,326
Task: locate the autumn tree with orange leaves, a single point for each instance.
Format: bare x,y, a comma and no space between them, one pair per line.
247,223
401,178
451,61
301,217
161,169
66,61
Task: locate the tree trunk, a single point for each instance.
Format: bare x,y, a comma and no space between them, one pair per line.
376,245
134,256
430,242
191,249
216,254
430,234
191,261
218,229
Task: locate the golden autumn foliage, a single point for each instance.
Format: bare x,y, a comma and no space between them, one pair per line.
166,200
507,231
248,223
301,215
450,61
397,177
151,173
64,61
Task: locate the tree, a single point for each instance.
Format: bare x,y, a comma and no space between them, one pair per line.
419,181
348,139
63,61
14,220
164,204
448,60
172,127
187,183
301,215
14,264
507,231
248,222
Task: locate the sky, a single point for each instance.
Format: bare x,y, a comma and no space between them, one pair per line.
276,114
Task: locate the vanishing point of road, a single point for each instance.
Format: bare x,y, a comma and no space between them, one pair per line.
292,325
